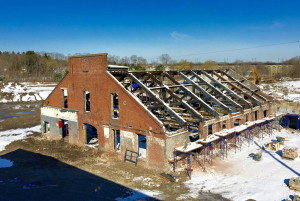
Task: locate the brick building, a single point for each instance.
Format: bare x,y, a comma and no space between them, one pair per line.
149,112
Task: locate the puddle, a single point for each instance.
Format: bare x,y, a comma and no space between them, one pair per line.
7,117
4,163
4,115
28,112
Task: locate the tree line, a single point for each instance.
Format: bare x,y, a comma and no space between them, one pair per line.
32,66
45,66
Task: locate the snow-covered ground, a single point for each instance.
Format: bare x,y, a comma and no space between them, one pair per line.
239,177
8,136
142,195
25,91
277,90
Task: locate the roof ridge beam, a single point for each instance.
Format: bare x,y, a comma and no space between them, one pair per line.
205,93
170,111
216,90
194,96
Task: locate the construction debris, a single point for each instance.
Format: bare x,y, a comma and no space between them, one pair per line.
294,183
167,177
257,155
280,139
296,198
290,152
275,145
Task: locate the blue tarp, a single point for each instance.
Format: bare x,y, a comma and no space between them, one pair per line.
134,85
291,121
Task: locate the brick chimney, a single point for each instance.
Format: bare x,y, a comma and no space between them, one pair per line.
91,64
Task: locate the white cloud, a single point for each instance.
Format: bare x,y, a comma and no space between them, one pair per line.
177,36
274,25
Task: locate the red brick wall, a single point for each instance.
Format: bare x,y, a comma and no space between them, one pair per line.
55,98
89,74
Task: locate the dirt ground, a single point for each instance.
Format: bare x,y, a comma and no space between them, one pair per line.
56,170
10,119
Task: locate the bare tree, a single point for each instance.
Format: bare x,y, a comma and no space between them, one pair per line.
141,60
165,59
133,59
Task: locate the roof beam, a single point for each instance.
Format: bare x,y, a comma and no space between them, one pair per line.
205,92
194,96
217,90
231,93
169,110
235,80
182,102
236,87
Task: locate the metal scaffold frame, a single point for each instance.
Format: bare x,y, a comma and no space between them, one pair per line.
238,140
223,146
189,162
209,150
259,131
249,135
269,127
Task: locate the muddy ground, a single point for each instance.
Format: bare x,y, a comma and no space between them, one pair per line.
56,170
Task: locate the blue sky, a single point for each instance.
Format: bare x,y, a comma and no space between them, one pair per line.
193,30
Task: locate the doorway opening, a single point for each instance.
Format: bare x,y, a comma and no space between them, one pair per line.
91,134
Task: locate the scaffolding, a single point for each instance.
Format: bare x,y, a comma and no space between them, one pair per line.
208,147
249,135
187,152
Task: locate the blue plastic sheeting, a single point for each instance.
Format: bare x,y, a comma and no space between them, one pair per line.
291,121
134,85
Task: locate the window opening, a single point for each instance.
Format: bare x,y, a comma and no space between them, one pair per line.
87,101
115,105
46,127
237,122
142,146
224,124
255,114
265,113
210,129
65,98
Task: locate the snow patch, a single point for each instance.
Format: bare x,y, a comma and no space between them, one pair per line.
239,177
26,91
8,136
142,195
277,89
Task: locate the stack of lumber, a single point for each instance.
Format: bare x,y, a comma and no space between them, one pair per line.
290,152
